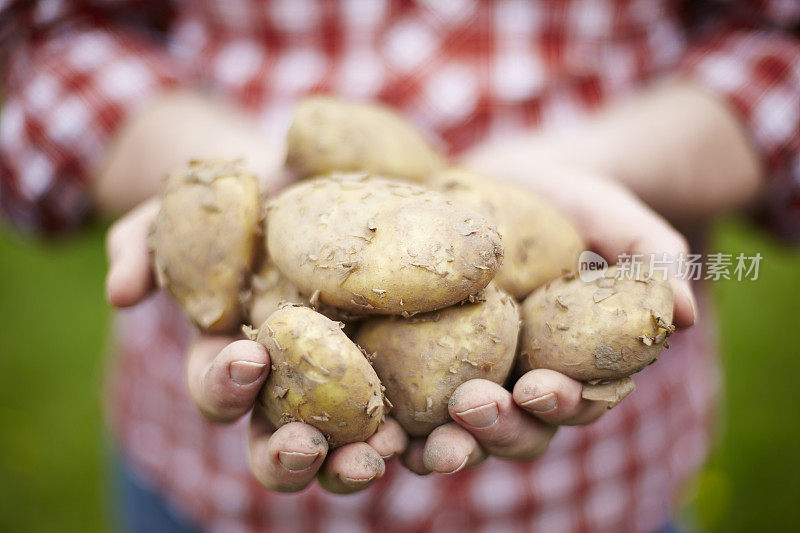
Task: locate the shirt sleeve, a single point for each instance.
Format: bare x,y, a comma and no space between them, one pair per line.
70,77
752,60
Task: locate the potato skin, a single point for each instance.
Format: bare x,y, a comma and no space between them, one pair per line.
269,291
330,135
372,245
318,377
423,359
606,329
539,243
204,240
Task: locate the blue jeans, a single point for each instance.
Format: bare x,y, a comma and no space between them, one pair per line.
140,508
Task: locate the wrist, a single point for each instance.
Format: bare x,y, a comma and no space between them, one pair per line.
172,129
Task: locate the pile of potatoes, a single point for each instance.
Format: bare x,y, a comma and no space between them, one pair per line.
384,279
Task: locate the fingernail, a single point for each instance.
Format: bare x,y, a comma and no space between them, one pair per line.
542,404
246,372
296,461
460,467
480,417
356,482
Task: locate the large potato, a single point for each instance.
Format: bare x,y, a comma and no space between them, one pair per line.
371,245
539,243
607,329
422,360
318,377
204,240
329,135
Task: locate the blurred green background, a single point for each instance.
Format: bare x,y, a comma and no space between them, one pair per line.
55,322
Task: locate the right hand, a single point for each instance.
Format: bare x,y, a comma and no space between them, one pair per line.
224,376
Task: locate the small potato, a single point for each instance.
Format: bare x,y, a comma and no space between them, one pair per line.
329,135
422,360
370,245
269,291
539,243
607,329
318,377
204,240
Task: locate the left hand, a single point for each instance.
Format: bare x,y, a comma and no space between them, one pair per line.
224,374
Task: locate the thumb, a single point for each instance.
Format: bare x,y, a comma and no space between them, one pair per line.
617,224
130,273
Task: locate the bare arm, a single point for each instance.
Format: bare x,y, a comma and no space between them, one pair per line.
678,148
173,129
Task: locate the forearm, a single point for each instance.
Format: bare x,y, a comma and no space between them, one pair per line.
173,129
680,149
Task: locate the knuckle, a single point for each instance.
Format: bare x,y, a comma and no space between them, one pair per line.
504,436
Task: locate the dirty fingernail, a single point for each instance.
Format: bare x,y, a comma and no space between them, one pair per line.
246,372
356,482
459,468
480,417
296,461
542,404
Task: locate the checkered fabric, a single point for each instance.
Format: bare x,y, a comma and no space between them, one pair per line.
462,70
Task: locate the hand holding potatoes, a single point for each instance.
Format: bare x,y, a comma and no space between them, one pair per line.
418,272
225,375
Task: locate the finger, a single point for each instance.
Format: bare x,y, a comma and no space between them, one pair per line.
685,313
555,398
288,459
488,411
630,227
225,375
663,241
351,468
390,440
451,448
413,458
130,275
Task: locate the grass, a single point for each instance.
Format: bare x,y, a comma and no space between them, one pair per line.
55,325
752,481
55,322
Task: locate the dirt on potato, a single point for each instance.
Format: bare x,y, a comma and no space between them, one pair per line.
423,359
319,377
204,240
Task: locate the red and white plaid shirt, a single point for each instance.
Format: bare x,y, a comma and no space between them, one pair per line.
463,70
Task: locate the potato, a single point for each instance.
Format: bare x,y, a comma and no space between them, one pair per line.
602,330
539,243
318,377
269,291
371,245
204,239
329,135
422,360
